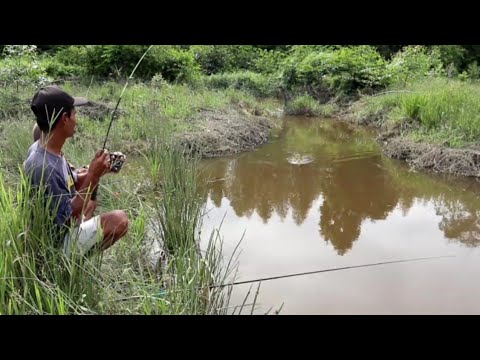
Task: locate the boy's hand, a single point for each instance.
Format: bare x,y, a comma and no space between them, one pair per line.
100,164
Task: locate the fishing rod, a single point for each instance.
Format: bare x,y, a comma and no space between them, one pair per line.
163,292
121,95
117,158
327,270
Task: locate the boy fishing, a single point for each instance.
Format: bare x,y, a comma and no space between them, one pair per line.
71,191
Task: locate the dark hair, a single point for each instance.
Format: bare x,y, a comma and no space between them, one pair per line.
50,103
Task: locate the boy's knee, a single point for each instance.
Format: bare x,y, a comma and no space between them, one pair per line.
115,222
122,220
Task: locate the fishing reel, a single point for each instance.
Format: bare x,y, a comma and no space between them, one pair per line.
116,161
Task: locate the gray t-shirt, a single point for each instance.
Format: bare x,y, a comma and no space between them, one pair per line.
57,176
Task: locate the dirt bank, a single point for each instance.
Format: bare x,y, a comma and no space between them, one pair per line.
437,158
225,132
441,159
98,110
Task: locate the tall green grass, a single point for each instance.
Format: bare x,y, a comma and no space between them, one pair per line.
179,211
307,105
447,110
38,279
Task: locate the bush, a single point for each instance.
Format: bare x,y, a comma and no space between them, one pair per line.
21,67
215,59
114,60
172,62
473,71
72,55
57,69
307,105
256,84
66,62
269,61
415,62
303,105
451,54
341,70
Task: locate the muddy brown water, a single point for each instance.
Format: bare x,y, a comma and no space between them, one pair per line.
321,195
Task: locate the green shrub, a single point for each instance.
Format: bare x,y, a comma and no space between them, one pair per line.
172,62
303,105
256,84
215,59
415,62
21,67
344,70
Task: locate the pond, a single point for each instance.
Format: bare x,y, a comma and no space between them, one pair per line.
321,195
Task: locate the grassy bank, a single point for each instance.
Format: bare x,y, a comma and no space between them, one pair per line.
157,188
436,110
431,123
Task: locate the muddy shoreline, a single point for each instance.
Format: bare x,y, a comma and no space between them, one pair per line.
223,132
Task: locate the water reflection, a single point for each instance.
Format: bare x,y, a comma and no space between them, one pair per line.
348,173
357,190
